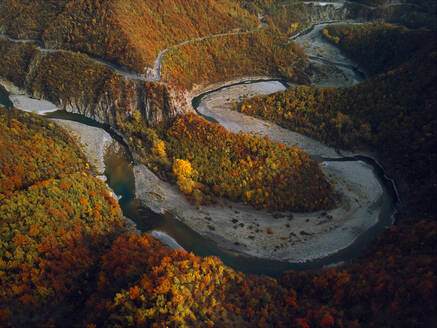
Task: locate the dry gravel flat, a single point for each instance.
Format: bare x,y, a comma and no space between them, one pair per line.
22,101
293,237
95,141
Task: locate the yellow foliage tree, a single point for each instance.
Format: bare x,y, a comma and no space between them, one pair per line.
158,148
183,168
184,172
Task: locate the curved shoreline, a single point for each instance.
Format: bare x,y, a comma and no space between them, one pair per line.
22,101
232,226
94,142
297,237
227,235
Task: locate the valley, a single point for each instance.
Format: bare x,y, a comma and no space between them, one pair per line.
267,156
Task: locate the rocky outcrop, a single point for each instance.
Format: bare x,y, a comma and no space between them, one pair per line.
400,12
104,96
112,108
315,13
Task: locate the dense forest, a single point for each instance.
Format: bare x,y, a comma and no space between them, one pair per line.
55,219
17,59
207,162
392,113
66,257
120,31
232,56
378,47
67,260
249,168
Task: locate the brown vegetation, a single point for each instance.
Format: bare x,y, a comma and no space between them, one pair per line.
261,53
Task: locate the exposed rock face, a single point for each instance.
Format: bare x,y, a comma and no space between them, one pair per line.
111,103
109,108
316,13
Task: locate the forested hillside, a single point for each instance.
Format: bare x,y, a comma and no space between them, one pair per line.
66,261
228,57
392,113
207,163
248,168
55,219
66,257
130,33
379,47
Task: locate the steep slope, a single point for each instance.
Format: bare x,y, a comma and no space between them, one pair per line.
378,47
261,53
54,220
80,85
130,33
392,113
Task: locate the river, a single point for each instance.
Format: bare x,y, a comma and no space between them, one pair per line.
119,172
121,179
4,98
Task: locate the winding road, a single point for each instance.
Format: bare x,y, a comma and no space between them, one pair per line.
362,192
152,74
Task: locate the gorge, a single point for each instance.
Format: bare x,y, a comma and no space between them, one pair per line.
292,141
333,66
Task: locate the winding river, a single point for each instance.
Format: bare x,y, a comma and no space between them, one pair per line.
120,177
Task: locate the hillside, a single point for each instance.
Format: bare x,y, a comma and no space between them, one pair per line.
66,261
391,113
129,33
378,47
65,251
229,57
67,257
55,219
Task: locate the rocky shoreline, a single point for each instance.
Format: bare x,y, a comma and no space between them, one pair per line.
285,236
22,101
95,141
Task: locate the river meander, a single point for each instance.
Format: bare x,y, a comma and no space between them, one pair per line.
120,177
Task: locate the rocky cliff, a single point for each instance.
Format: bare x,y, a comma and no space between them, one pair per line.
79,85
315,13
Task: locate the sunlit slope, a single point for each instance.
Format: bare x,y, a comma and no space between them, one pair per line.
265,52
54,220
151,26
29,18
33,151
130,33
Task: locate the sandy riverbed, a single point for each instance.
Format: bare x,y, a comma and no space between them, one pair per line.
296,237
330,67
219,106
95,141
23,102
